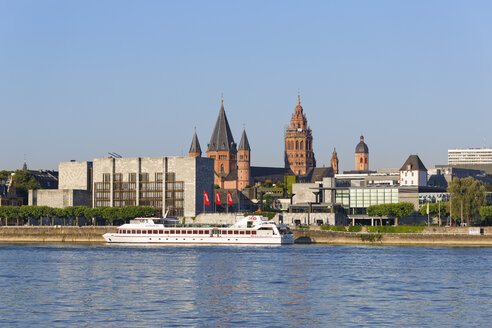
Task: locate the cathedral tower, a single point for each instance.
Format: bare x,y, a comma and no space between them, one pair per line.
195,150
222,148
243,163
299,155
361,156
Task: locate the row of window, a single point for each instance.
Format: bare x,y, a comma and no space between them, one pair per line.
184,232
298,145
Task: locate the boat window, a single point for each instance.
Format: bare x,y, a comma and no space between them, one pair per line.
178,232
144,232
161,232
139,232
133,231
248,232
171,232
200,232
236,232
253,232
195,232
241,232
207,232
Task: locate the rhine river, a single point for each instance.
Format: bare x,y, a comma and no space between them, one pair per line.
60,285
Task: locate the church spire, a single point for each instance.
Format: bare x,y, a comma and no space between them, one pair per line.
222,136
195,149
244,143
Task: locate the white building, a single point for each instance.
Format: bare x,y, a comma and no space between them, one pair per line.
469,156
413,172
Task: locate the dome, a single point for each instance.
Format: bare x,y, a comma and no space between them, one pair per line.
362,147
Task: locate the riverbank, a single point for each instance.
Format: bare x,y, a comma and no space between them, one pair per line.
54,234
410,239
431,236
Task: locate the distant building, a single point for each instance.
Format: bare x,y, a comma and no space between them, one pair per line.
469,156
413,172
361,156
299,155
334,161
8,194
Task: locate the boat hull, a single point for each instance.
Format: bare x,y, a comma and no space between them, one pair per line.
167,239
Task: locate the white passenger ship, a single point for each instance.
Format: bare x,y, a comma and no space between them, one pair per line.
253,229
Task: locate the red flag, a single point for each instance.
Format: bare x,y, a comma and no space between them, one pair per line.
229,198
205,198
217,198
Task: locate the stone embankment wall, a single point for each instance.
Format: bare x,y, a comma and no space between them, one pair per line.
426,238
54,234
442,236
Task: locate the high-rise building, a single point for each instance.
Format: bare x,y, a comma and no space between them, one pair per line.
299,155
470,156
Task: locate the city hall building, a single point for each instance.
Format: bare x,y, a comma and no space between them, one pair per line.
176,184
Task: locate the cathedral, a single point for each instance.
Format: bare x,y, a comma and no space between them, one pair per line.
231,162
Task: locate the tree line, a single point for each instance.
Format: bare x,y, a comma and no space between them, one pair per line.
397,210
25,214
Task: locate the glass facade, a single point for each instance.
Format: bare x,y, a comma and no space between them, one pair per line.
357,200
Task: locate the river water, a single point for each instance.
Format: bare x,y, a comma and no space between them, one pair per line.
60,285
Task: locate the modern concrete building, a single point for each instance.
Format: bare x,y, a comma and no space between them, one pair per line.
74,187
176,184
469,156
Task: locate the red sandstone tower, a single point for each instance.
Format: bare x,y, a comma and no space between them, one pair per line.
222,149
299,155
243,163
361,156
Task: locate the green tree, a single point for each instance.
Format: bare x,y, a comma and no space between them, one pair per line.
111,214
397,210
4,175
467,197
435,210
93,214
23,182
486,213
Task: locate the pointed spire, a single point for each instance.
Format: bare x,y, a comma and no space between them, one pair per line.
222,137
195,146
298,100
244,144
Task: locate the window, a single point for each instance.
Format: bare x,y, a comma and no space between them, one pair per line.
302,145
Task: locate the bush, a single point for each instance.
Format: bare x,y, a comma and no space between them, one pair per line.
397,229
355,229
333,228
306,227
371,237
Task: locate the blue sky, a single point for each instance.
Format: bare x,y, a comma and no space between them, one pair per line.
79,79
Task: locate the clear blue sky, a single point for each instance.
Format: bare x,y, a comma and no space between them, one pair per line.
79,79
